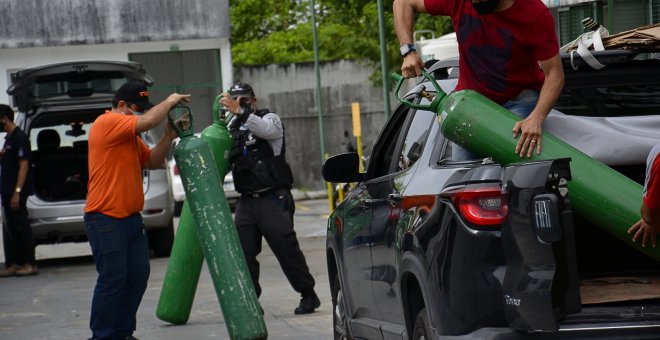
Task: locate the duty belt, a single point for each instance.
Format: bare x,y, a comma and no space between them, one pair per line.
260,194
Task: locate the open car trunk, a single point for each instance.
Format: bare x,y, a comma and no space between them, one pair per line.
67,182
60,171
613,116
617,282
60,149
59,154
565,273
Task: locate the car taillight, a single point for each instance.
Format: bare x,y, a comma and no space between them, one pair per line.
339,225
176,169
481,205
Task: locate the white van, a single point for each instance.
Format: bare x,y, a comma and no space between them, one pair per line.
441,48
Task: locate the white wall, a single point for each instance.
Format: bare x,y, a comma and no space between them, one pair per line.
35,23
290,90
20,58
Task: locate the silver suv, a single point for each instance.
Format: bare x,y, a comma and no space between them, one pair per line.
57,105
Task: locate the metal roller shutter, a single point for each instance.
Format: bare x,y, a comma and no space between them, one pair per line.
630,14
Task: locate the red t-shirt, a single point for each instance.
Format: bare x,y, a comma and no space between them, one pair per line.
499,52
652,185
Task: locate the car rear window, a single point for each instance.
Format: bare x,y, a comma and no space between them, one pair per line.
74,84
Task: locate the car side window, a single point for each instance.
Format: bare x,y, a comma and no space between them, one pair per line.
383,156
413,143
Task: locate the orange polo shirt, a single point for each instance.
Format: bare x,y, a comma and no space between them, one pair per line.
116,158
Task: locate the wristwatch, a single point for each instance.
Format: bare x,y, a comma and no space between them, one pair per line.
18,189
406,49
240,111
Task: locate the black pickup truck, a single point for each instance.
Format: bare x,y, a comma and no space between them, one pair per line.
421,248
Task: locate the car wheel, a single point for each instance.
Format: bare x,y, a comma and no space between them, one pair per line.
177,208
339,319
422,329
161,240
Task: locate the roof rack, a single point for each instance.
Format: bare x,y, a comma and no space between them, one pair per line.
572,60
597,48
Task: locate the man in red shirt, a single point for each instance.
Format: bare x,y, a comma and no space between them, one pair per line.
508,52
649,225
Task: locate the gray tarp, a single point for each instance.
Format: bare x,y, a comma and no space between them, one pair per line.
613,141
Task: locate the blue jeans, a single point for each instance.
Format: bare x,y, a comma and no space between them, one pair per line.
521,106
121,253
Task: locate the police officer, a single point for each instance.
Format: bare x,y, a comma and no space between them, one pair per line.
263,178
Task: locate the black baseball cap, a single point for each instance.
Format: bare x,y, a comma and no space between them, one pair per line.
241,90
134,93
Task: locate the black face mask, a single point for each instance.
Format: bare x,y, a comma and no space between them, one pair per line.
486,7
246,105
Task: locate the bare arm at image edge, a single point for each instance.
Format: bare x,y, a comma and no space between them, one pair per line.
649,225
404,20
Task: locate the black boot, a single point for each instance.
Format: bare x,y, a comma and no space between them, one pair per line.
308,304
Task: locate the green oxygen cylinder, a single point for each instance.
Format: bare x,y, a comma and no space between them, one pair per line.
218,137
182,274
186,258
218,237
603,196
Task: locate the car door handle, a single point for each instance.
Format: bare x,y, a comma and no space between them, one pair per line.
367,202
394,199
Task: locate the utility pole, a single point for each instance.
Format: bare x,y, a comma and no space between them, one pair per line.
383,58
319,100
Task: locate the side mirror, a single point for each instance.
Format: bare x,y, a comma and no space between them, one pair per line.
342,168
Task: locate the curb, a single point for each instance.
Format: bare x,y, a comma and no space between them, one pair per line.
299,195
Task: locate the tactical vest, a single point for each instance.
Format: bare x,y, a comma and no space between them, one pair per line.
254,165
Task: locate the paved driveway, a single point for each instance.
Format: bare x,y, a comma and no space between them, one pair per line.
55,304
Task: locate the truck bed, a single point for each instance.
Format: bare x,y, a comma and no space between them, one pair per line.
619,289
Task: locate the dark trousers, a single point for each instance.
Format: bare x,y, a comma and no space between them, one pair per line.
272,218
121,253
17,237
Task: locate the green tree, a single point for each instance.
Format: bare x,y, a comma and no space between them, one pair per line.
280,31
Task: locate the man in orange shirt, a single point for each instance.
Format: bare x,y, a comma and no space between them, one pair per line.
114,225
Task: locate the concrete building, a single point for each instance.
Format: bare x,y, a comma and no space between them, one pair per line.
183,44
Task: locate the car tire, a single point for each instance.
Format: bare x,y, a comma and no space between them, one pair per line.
161,240
421,331
178,206
339,320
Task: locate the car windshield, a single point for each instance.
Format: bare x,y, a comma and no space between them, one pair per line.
613,101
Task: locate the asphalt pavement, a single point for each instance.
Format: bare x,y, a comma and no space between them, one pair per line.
56,303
